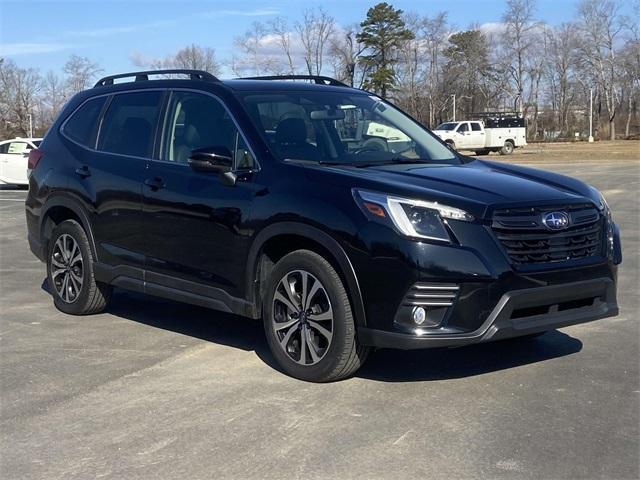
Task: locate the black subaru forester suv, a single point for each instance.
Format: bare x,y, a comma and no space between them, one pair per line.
322,209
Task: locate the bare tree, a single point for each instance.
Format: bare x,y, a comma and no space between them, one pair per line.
81,72
630,65
280,29
192,57
53,98
345,50
314,31
420,69
253,59
562,42
517,42
195,57
600,26
19,88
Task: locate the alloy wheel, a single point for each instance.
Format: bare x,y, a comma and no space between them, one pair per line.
302,317
67,269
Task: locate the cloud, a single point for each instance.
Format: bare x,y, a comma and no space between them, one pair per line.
493,28
10,49
258,12
119,30
109,31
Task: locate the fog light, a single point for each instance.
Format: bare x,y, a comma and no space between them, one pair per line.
419,315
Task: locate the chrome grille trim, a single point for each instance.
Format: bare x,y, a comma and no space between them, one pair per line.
431,295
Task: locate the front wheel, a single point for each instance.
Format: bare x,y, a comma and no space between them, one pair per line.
308,320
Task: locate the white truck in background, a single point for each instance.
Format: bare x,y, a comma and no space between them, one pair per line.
492,134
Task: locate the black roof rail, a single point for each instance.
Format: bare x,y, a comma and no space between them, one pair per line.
318,79
143,76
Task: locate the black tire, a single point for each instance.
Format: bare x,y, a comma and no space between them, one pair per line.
342,355
91,296
376,145
507,148
451,144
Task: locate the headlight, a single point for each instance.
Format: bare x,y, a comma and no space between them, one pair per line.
603,206
413,218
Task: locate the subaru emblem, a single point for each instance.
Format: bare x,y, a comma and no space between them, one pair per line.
555,220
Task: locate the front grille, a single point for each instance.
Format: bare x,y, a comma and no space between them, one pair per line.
527,241
431,295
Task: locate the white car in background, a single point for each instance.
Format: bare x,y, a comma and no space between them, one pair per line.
13,159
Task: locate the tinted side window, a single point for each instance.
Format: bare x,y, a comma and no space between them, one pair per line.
463,128
83,123
475,127
4,148
199,121
129,126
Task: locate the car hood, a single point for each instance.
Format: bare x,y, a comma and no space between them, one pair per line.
477,186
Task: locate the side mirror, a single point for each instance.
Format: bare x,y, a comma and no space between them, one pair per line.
216,160
211,159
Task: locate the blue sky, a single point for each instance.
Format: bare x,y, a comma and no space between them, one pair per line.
43,34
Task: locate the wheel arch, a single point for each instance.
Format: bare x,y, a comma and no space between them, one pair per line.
279,239
58,209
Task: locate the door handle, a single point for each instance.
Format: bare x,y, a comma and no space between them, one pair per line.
83,171
155,183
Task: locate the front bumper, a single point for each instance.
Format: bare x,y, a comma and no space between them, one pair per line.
517,313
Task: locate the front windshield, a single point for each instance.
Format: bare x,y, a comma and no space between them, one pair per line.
344,128
447,126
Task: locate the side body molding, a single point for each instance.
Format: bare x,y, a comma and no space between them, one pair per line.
313,234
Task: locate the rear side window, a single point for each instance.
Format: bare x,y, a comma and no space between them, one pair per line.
18,148
475,127
129,126
83,123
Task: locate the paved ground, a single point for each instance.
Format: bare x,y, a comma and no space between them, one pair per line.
154,389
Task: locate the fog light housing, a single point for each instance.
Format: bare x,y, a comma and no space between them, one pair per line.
419,315
425,306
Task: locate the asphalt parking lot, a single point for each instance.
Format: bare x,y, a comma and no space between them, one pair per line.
154,389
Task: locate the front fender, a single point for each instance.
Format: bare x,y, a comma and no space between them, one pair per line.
314,234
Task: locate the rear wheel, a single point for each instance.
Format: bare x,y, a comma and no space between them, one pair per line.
308,320
507,148
70,272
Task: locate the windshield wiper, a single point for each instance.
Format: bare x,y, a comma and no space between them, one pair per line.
390,161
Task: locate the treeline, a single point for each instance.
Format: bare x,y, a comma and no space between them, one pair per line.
422,62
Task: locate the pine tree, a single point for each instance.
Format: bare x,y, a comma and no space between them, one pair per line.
383,33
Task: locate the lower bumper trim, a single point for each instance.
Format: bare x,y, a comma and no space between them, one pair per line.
502,323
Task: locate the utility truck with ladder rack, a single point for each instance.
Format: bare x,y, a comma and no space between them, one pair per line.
493,133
